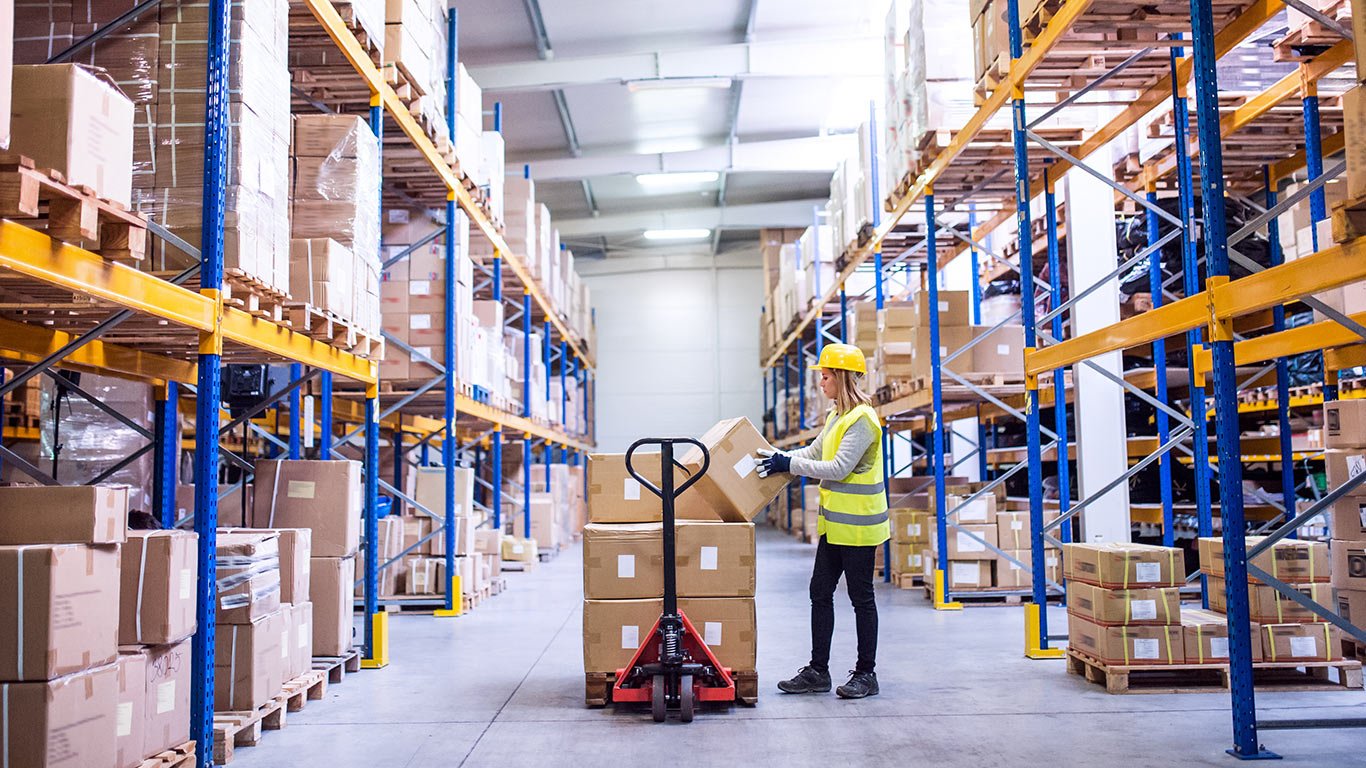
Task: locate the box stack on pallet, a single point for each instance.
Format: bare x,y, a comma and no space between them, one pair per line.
715,561
413,296
1123,604
1344,433
97,656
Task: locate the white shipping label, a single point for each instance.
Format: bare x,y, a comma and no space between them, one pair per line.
1148,572
304,632
1142,610
186,583
943,351
1017,525
966,543
1147,648
707,558
420,322
917,560
301,489
518,549
913,530
975,512
630,637
943,306
1002,349
1356,464
123,720
1218,647
711,633
745,466
626,566
1304,647
965,573
630,489
419,287
165,697
910,560
1050,561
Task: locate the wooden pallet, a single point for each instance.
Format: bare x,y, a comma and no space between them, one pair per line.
310,686
1207,678
337,667
243,729
498,585
1349,220
71,214
598,688
177,757
324,326
251,295
908,580
471,600
1312,38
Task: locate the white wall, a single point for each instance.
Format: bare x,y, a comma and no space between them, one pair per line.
678,345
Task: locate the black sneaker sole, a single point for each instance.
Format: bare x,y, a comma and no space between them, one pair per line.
840,693
826,689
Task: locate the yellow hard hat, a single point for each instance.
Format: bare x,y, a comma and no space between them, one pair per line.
842,357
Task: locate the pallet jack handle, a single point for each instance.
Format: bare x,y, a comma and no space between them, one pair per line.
667,494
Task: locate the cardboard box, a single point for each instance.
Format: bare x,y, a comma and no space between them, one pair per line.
1301,642
330,587
911,525
728,627
66,598
1294,561
971,574
515,550
963,546
79,514
908,557
616,497
300,640
951,339
1354,114
1012,529
249,662
1123,565
158,575
248,575
614,629
1011,576
1344,424
167,688
1349,564
324,496
1349,519
295,554
69,721
1001,352
429,490
1206,637
623,561
954,308
130,713
545,522
1343,464
1127,645
67,117
980,510
714,559
1266,605
731,486
1114,607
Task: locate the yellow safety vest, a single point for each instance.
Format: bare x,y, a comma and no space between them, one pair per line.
854,510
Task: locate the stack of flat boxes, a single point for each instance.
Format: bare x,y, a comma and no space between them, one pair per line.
912,530
1123,603
415,43
1344,432
1013,535
413,297
558,510
1286,631
972,563
252,640
714,535
294,547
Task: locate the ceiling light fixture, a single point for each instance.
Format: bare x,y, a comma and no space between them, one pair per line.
684,178
669,83
677,234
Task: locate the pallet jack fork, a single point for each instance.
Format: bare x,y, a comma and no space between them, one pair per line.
673,668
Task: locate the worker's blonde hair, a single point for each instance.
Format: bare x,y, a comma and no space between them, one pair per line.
848,394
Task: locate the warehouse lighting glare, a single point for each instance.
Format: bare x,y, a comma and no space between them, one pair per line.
672,83
676,179
677,234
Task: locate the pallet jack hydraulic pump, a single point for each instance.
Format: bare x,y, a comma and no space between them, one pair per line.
673,668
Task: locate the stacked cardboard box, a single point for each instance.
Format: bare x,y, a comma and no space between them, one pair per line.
415,43
1123,603
912,531
982,525
1344,433
413,296
424,568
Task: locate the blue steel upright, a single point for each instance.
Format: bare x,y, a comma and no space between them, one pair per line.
208,397
496,439
1059,374
325,415
880,299
1164,465
1277,257
166,432
941,526
526,410
296,427
370,469
1245,742
449,443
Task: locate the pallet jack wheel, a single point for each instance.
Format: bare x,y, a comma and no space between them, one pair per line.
657,698
685,699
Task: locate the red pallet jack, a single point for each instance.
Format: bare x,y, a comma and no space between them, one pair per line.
673,668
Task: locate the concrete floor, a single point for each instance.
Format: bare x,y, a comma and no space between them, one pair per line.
503,686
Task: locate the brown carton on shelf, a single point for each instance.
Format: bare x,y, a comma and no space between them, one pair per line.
68,721
728,627
1012,528
1349,519
300,640
1343,464
970,542
330,586
78,514
981,510
1301,642
545,521
907,557
168,695
1294,561
1267,605
911,525
714,559
614,629
616,497
971,574
1344,424
1010,575
1123,565
1206,637
249,662
731,486
65,597
1349,564
130,713
322,495
623,561
157,587
1127,645
1113,607
248,575
953,308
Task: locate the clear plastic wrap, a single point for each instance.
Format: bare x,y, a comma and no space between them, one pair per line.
88,442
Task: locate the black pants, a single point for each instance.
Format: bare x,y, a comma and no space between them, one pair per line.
856,564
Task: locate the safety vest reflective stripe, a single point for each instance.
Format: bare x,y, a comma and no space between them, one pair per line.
846,518
861,489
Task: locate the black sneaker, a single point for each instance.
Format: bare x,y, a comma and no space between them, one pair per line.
860,684
808,680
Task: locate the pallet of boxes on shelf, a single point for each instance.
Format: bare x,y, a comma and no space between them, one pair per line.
977,572
715,542
1345,437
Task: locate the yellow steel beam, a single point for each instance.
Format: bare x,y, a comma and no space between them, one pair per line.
1159,323
1295,341
32,343
1281,169
1329,268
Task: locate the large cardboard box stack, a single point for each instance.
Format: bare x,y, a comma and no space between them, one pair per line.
325,498
912,530
423,571
59,552
1123,603
413,297
415,44
253,629
1344,433
295,546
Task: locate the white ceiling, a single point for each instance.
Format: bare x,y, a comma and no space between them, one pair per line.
773,88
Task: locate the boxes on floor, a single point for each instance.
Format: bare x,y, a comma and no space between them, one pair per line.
1206,637
728,627
69,720
971,574
1267,605
1121,565
731,486
324,496
1127,645
911,525
1295,561
1012,576
248,575
546,522
158,575
1301,642
167,690
330,586
82,514
516,550
250,662
1128,607
907,557
66,601
614,629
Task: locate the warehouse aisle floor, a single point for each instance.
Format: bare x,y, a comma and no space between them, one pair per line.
503,687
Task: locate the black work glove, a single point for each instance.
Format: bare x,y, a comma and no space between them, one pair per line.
773,462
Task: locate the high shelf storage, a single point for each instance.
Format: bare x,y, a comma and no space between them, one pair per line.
1229,332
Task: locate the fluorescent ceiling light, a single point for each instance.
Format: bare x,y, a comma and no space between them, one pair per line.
677,234
676,179
668,83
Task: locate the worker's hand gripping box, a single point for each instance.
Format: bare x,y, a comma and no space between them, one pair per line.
732,486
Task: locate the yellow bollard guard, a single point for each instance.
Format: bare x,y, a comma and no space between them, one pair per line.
379,648
1033,649
456,606
940,604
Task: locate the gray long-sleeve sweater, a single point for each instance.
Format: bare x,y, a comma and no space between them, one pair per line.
856,453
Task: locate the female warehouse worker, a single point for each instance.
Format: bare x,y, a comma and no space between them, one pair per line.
847,460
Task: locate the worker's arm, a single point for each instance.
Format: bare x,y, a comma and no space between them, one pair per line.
812,451
852,455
